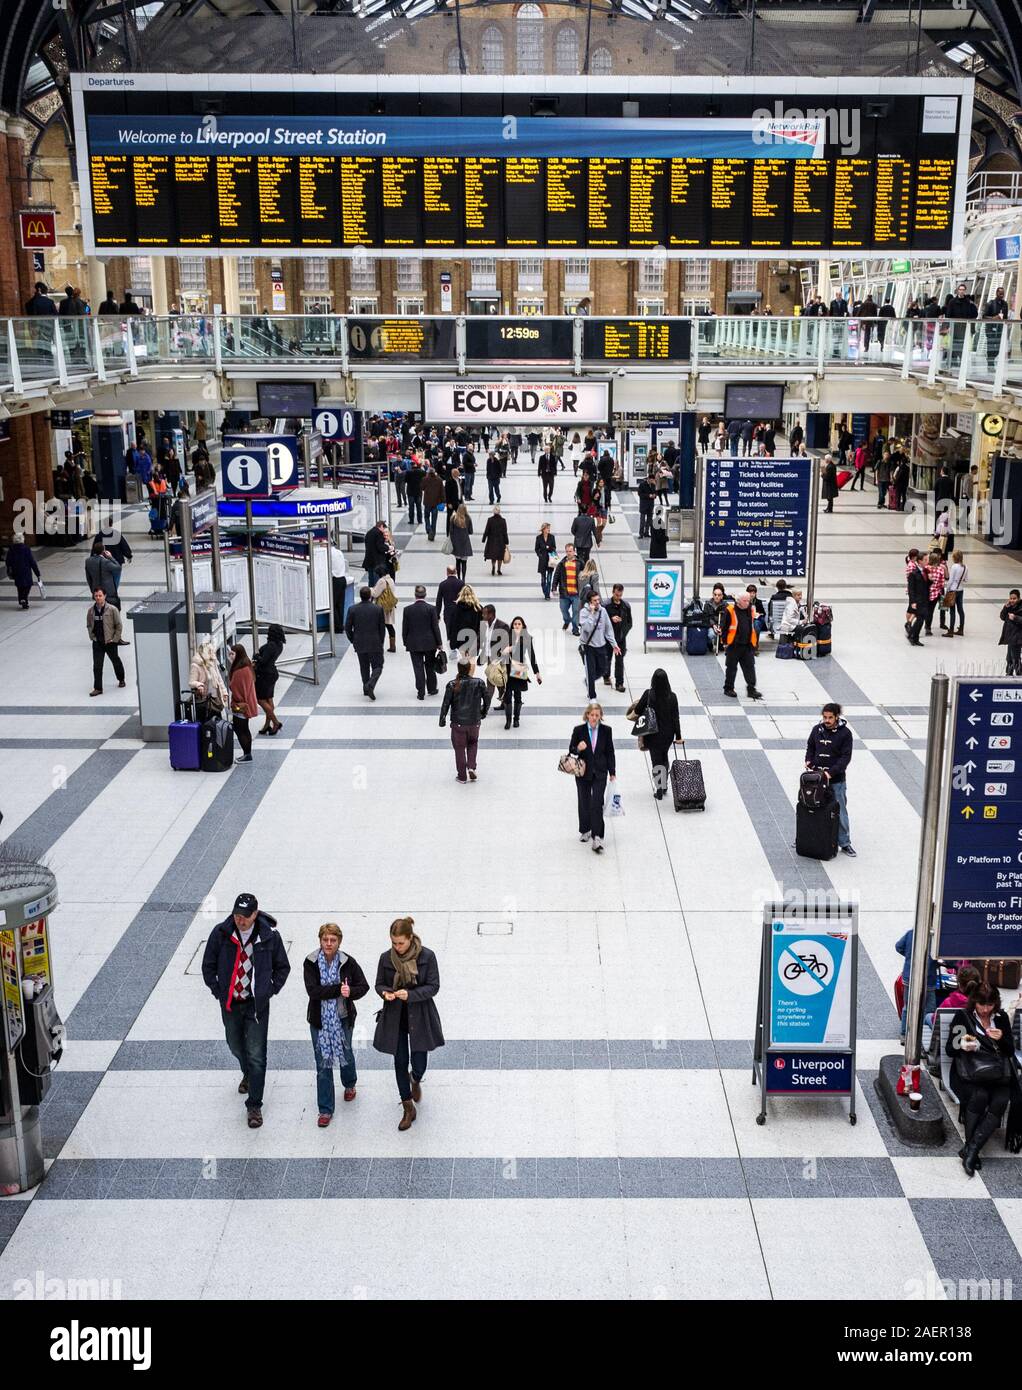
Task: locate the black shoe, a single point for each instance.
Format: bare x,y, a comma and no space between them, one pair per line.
371,694
916,642
977,1162
420,697
755,695
620,689
514,723
969,1156
731,694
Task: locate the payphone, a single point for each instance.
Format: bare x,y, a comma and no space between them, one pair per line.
32,1034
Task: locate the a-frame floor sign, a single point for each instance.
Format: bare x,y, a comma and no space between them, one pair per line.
805,1017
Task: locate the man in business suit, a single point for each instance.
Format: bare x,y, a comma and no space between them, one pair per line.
495,643
366,631
446,597
452,494
420,632
593,742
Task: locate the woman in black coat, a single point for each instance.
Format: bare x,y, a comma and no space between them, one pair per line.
21,566
495,541
546,549
266,674
658,529
333,981
408,1026
830,487
981,1047
593,742
468,625
662,701
521,655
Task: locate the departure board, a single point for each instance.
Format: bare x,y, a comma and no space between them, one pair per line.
518,340
881,171
401,340
636,340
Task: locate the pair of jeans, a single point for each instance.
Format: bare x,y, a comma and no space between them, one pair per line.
246,1037
401,1062
494,487
414,508
100,651
325,1069
546,578
619,663
465,739
597,661
840,790
1013,664
431,516
401,488
959,610
467,486
370,665
569,609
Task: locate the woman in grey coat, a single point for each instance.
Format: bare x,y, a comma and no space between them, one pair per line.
461,540
408,1026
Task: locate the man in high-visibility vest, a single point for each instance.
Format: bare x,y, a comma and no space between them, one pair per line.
739,638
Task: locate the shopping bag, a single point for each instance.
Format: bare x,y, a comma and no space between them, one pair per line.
614,806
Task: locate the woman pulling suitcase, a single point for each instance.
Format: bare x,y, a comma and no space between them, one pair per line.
657,725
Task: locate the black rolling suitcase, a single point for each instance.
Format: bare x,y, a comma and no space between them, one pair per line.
687,784
216,746
816,830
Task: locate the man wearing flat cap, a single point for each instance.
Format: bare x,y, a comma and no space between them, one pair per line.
245,965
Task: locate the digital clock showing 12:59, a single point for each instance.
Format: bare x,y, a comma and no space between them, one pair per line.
490,339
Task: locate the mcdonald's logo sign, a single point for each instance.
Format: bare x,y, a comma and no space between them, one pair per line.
38,230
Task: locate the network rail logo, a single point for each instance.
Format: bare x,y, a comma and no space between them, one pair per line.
780,124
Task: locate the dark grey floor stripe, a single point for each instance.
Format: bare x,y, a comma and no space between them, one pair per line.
454,1179
12,1209
970,1247
7,744
905,770
64,1105
40,831
460,1054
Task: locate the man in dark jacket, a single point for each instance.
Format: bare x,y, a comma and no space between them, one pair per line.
452,495
997,312
620,613
583,533
547,470
366,631
109,305
494,473
748,429
918,597
72,305
1011,633
103,622
885,312
128,305
734,434
446,597
605,468
829,750
244,966
40,305
432,495
739,639
414,476
21,566
420,632
960,308
376,561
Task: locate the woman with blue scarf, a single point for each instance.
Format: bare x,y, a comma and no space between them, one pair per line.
333,981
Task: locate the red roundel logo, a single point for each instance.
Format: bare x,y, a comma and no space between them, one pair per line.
779,1064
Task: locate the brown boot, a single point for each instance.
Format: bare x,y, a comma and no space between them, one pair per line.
416,1088
408,1117
393,643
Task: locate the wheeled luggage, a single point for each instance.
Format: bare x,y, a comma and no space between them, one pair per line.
804,641
816,830
892,498
697,640
184,744
823,643
687,784
216,745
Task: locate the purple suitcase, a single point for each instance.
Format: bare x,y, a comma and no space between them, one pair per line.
184,745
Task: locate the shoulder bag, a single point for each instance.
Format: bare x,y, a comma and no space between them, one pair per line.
572,764
983,1068
646,723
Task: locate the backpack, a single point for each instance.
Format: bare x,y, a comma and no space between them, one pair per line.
813,791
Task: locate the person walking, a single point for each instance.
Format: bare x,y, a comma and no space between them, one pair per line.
494,473
829,750
660,701
452,495
829,480
884,477
461,540
414,480
548,467
646,490
918,586
936,574
333,981
446,599
244,965
408,1026
981,1047
244,705
420,633
583,533
997,312
658,529
588,582
598,641
103,622
1011,633
469,625
103,572
593,743
377,557
620,612
432,497
546,552
384,592
20,565
496,541
465,701
900,477
565,585
366,629
266,676
521,665
954,594
740,639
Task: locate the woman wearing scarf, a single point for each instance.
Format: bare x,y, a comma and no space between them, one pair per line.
408,1025
207,682
333,981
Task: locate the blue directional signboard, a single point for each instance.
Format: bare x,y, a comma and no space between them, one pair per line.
282,456
756,516
979,891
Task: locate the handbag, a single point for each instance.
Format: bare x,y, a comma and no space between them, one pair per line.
983,1068
572,764
496,674
785,651
646,723
440,662
507,555
448,547
948,601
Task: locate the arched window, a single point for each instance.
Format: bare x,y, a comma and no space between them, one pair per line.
493,49
566,50
600,62
452,61
529,39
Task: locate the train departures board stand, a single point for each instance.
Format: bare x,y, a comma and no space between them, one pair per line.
877,170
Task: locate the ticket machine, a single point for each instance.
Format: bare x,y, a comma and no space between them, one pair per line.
32,1035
